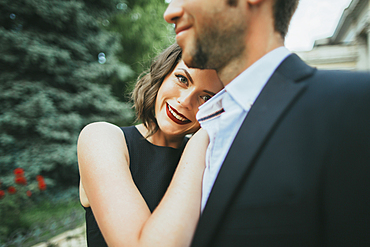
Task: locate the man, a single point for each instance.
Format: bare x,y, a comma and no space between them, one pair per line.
288,159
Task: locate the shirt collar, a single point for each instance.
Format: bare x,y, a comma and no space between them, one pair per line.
246,87
212,108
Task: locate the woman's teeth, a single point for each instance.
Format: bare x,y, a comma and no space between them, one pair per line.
176,115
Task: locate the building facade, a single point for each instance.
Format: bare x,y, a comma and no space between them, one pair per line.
349,47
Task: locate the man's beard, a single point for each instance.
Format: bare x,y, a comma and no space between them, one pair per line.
215,48
200,58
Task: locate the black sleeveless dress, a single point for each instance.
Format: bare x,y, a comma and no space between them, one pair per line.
151,167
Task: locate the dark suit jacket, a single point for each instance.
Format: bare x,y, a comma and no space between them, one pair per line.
298,171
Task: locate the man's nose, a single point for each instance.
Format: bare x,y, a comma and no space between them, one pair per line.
173,11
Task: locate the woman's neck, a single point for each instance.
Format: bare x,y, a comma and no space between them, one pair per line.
161,139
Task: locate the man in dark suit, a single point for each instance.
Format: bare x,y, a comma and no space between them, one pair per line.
289,156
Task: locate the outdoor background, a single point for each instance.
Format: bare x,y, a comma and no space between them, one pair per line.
63,64
66,63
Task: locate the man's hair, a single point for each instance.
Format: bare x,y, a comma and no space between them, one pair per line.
283,12
146,89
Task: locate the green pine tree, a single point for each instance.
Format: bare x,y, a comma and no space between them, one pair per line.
144,34
57,64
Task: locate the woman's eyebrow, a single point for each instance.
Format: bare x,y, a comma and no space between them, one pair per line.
188,75
209,92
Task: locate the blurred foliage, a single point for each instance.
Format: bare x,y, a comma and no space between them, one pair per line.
45,217
16,199
57,63
64,64
144,34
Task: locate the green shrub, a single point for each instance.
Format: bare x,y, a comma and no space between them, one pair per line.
16,199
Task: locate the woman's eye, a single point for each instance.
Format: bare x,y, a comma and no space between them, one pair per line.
206,97
182,79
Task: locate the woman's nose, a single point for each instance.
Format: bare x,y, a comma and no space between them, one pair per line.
173,12
186,99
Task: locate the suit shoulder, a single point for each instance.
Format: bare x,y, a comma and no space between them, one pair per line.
342,76
340,80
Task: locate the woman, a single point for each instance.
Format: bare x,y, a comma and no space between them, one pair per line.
123,185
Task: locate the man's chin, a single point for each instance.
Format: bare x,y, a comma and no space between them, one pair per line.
193,56
188,60
194,63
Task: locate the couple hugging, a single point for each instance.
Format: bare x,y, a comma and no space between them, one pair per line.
282,157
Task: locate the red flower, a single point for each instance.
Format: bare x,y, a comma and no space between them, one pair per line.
12,190
29,193
18,172
2,194
42,185
39,178
20,180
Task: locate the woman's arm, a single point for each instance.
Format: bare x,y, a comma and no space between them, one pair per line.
119,208
174,221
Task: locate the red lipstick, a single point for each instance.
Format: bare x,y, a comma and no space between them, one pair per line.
178,117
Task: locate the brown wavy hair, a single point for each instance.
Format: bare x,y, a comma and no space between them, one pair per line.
146,89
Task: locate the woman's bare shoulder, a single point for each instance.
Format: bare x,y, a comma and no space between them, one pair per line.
98,128
101,145
100,131
99,135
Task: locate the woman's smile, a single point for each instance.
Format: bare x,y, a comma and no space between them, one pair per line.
182,91
176,116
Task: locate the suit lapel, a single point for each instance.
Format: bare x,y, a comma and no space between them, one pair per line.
276,97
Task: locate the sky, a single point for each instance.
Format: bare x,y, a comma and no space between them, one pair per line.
314,19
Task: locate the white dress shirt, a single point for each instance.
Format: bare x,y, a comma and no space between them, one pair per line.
223,114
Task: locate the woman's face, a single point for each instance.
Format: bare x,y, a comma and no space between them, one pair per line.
179,97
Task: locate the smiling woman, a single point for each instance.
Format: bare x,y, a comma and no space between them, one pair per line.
170,82
126,171
181,93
